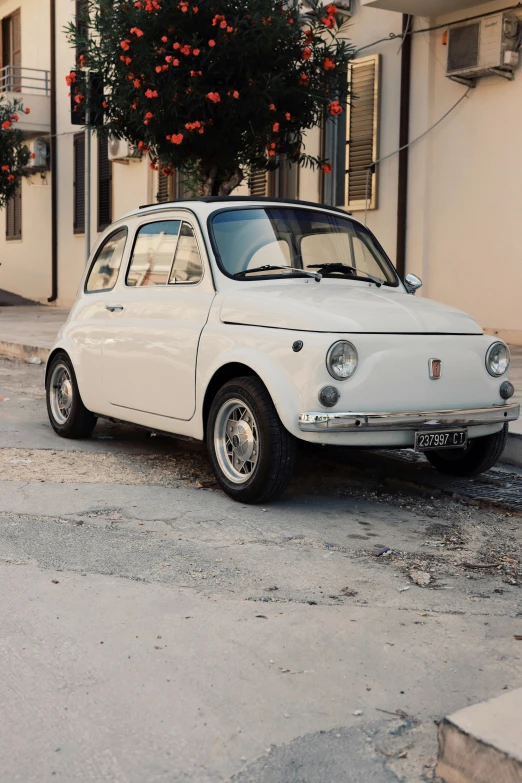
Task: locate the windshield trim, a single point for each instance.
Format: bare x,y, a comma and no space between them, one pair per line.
284,276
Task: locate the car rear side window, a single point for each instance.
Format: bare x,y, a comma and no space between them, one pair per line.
153,254
187,267
104,271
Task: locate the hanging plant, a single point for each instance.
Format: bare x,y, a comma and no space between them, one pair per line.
217,88
14,155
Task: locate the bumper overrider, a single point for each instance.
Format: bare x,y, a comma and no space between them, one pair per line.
409,420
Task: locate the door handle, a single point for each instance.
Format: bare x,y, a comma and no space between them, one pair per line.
114,308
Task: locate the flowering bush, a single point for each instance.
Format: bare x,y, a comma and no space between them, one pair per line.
217,88
14,155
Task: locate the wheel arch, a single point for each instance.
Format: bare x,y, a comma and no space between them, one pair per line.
225,373
54,353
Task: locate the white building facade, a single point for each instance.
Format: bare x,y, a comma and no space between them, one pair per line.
445,209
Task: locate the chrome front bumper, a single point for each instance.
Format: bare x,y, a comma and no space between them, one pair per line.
411,420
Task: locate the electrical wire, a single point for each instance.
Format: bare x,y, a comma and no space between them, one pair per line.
394,36
374,163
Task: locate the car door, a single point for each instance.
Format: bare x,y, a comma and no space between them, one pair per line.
150,348
89,317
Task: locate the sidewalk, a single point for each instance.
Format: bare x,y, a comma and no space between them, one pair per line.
27,332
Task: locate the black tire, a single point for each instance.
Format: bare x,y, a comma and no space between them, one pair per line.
79,423
276,447
479,455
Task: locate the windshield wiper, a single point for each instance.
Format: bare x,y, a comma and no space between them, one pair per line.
338,267
270,268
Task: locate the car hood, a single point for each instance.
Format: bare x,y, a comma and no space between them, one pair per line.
338,307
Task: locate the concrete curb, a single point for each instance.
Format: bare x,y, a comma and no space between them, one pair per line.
513,453
483,743
26,352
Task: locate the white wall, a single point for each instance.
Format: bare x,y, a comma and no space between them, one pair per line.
464,208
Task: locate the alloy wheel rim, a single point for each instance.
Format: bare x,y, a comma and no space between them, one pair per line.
61,394
236,441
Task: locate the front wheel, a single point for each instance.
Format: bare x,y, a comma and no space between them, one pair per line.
68,415
252,454
479,455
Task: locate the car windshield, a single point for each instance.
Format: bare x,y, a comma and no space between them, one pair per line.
282,242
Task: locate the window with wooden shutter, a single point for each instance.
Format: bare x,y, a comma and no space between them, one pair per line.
14,216
362,133
104,183
11,51
257,183
79,184
166,186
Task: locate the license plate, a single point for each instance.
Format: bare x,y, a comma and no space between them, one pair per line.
441,439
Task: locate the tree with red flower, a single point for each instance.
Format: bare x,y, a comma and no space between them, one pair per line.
14,155
247,81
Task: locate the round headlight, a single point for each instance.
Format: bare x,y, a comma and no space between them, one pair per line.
341,360
497,359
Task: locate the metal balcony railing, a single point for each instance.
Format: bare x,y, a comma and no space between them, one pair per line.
16,78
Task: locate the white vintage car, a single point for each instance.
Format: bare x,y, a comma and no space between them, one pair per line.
255,323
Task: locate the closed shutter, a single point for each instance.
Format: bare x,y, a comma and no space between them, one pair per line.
257,183
14,216
163,193
362,133
79,184
104,183
16,55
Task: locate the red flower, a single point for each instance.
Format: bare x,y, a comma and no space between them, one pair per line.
275,127
307,53
328,64
32,155
326,167
235,94
309,36
137,32
288,116
126,60
196,73
272,107
218,18
303,80
211,43
10,177
79,99
5,168
176,45
229,29
165,39
151,93
223,24
137,83
335,108
176,138
195,52
331,9
148,118
125,45
185,49
104,104
15,117
28,111
175,63
328,21
214,97
195,9
183,5
70,79
82,60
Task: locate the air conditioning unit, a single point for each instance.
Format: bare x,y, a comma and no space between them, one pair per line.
122,151
344,7
39,160
486,46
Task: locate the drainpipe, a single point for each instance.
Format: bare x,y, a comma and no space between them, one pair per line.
54,163
404,137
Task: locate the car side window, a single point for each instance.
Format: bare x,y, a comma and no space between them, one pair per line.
187,267
104,271
153,253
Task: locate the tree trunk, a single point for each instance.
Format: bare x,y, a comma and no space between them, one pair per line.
219,182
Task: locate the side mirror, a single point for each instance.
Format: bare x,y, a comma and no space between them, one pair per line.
412,283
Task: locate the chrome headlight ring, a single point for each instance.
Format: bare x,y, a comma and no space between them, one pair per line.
497,359
342,360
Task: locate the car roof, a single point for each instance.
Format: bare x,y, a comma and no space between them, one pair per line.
206,205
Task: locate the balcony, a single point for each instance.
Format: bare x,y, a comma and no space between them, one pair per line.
31,86
423,7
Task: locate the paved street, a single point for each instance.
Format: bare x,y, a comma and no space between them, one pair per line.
153,630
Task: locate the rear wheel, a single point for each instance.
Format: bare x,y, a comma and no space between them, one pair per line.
479,455
68,415
252,454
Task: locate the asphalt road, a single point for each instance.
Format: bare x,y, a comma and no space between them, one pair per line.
153,630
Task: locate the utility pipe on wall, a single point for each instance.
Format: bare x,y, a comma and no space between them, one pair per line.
54,162
404,138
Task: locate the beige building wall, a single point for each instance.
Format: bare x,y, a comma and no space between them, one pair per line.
25,265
